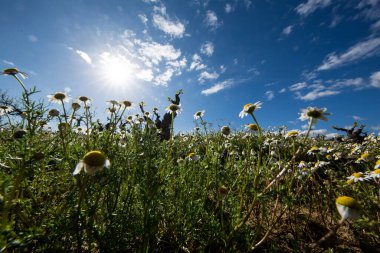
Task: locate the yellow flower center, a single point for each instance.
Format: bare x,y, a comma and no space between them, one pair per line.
94,158
376,171
190,155
253,127
347,201
59,96
364,156
377,162
357,175
173,107
249,108
293,133
127,103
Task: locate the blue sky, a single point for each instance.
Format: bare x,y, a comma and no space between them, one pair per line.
222,53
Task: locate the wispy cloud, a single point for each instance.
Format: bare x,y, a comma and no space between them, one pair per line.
247,3
316,90
196,64
207,48
369,9
143,18
205,75
162,21
84,56
8,63
217,87
287,30
269,95
358,118
310,6
212,20
228,8
359,51
375,79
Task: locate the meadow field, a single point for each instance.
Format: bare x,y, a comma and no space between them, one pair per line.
71,183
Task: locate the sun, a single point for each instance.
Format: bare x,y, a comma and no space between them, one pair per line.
117,70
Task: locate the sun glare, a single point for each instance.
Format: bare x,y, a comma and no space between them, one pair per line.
116,70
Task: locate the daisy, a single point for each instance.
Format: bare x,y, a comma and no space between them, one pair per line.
356,177
84,99
75,106
249,109
92,162
14,72
193,157
5,109
377,165
314,114
53,113
292,133
347,207
199,114
225,130
59,97
127,104
365,157
313,150
173,108
252,127
375,174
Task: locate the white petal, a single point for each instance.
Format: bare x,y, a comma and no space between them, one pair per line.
107,164
78,168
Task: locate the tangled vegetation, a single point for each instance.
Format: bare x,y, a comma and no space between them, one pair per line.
118,186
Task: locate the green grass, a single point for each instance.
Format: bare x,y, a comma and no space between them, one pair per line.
246,191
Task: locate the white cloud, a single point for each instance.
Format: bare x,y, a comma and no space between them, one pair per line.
376,128
145,75
359,51
205,75
287,30
298,86
8,62
217,87
315,133
357,118
376,26
228,8
253,71
32,38
156,52
310,6
143,18
375,79
164,78
212,20
370,9
207,48
315,94
247,3
269,94
222,68
162,21
84,56
283,90
197,64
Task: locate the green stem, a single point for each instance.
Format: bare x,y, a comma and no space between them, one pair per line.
308,130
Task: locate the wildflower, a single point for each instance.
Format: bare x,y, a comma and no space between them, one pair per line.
53,113
347,207
225,130
181,161
173,108
199,114
375,174
365,157
377,165
320,164
75,106
223,190
84,99
113,103
252,127
19,133
313,150
14,72
356,177
249,109
292,133
303,164
194,157
59,97
127,104
92,162
5,109
314,114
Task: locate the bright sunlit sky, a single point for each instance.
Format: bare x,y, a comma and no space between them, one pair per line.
222,53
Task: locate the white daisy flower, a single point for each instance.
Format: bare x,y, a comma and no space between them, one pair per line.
92,162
